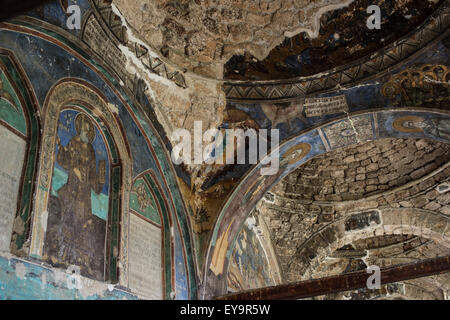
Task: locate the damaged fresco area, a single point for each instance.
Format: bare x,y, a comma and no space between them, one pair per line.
293,118
416,84
343,38
92,170
249,263
21,280
78,208
102,193
161,51
200,36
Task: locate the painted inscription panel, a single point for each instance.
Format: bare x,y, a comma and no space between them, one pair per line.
11,159
318,107
145,267
98,40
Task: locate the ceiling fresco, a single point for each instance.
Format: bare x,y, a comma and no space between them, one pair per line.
343,38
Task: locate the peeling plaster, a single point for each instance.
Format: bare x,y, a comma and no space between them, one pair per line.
21,271
314,31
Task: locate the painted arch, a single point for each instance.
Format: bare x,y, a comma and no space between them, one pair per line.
336,134
100,75
65,93
17,99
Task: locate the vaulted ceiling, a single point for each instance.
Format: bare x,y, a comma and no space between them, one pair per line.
334,215
267,39
309,50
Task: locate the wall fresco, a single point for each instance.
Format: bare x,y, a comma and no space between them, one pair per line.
421,125
139,177
78,206
56,12
249,267
376,125
182,287
349,131
141,143
22,280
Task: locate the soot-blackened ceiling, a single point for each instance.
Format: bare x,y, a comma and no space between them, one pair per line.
343,38
268,39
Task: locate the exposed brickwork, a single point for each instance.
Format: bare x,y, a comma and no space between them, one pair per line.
404,174
385,251
374,167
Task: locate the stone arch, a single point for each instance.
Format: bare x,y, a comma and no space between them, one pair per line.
398,123
64,93
379,222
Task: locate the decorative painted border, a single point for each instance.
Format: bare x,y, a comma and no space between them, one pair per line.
74,46
103,11
434,28
30,108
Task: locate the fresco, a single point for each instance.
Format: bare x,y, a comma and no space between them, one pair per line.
420,125
143,202
42,283
343,38
294,152
182,287
249,268
143,144
419,86
78,205
416,84
10,106
348,132
421,81
343,118
55,12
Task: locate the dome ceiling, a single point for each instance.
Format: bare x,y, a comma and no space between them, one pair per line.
260,40
343,38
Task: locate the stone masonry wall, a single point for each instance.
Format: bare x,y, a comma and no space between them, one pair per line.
407,176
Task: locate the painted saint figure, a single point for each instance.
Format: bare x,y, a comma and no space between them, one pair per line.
76,236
